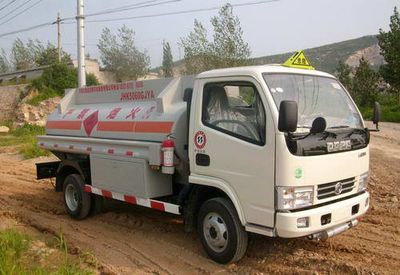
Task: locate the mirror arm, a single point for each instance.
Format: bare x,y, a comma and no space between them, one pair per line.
376,128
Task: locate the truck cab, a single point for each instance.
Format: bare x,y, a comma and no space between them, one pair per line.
282,183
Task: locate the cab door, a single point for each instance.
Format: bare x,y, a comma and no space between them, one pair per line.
232,145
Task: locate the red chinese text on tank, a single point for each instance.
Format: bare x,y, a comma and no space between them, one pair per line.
90,122
200,140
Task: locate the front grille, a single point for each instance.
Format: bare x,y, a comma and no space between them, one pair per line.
328,190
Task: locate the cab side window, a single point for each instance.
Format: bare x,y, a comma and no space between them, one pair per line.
235,109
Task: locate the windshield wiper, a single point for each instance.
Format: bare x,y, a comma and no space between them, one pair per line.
356,130
339,127
301,135
328,133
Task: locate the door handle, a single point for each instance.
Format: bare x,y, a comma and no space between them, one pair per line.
202,160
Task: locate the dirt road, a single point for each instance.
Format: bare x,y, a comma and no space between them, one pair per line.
134,240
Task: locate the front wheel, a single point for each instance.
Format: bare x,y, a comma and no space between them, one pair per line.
221,232
77,202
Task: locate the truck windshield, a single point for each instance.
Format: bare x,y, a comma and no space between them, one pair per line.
316,97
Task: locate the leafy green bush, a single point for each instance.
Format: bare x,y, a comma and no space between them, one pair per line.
45,94
91,80
55,80
58,77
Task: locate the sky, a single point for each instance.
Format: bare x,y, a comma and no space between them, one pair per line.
269,28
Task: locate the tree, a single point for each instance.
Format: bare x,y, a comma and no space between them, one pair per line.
22,58
227,49
167,64
343,73
389,43
35,54
229,45
4,63
120,55
365,84
198,50
49,56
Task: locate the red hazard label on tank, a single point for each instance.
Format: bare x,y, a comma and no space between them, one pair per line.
200,139
90,122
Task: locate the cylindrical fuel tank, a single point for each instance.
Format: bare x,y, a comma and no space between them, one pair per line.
140,110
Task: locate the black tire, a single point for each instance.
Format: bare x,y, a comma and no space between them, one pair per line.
234,243
76,201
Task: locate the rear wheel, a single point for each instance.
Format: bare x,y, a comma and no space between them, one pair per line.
76,201
221,232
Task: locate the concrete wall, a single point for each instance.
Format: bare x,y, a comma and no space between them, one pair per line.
93,66
22,75
9,99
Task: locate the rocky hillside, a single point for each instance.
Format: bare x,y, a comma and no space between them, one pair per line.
326,58
15,107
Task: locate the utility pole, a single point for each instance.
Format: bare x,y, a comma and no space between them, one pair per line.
59,37
81,45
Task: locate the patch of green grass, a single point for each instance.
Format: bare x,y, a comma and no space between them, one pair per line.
15,258
25,137
390,109
388,113
31,150
28,130
12,246
43,95
15,82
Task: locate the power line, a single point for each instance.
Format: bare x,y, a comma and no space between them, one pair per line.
123,8
126,8
23,4
178,12
12,1
27,29
135,6
28,8
138,17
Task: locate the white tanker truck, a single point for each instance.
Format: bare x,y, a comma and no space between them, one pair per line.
275,150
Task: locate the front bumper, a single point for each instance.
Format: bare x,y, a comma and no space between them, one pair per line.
340,213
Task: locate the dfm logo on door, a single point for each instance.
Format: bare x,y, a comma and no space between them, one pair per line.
200,139
336,146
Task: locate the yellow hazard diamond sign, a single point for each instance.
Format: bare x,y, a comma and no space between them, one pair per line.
299,60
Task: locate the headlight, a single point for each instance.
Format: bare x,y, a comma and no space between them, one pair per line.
295,197
363,182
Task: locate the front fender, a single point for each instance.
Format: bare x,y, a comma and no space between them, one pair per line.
224,187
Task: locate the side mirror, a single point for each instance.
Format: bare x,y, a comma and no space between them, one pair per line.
288,113
377,113
377,116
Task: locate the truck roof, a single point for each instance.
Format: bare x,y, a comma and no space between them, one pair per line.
259,70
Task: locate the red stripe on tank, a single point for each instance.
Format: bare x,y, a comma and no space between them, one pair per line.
64,125
136,126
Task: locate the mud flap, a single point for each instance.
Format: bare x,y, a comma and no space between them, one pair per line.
47,170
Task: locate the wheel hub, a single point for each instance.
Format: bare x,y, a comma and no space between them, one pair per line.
71,197
215,232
